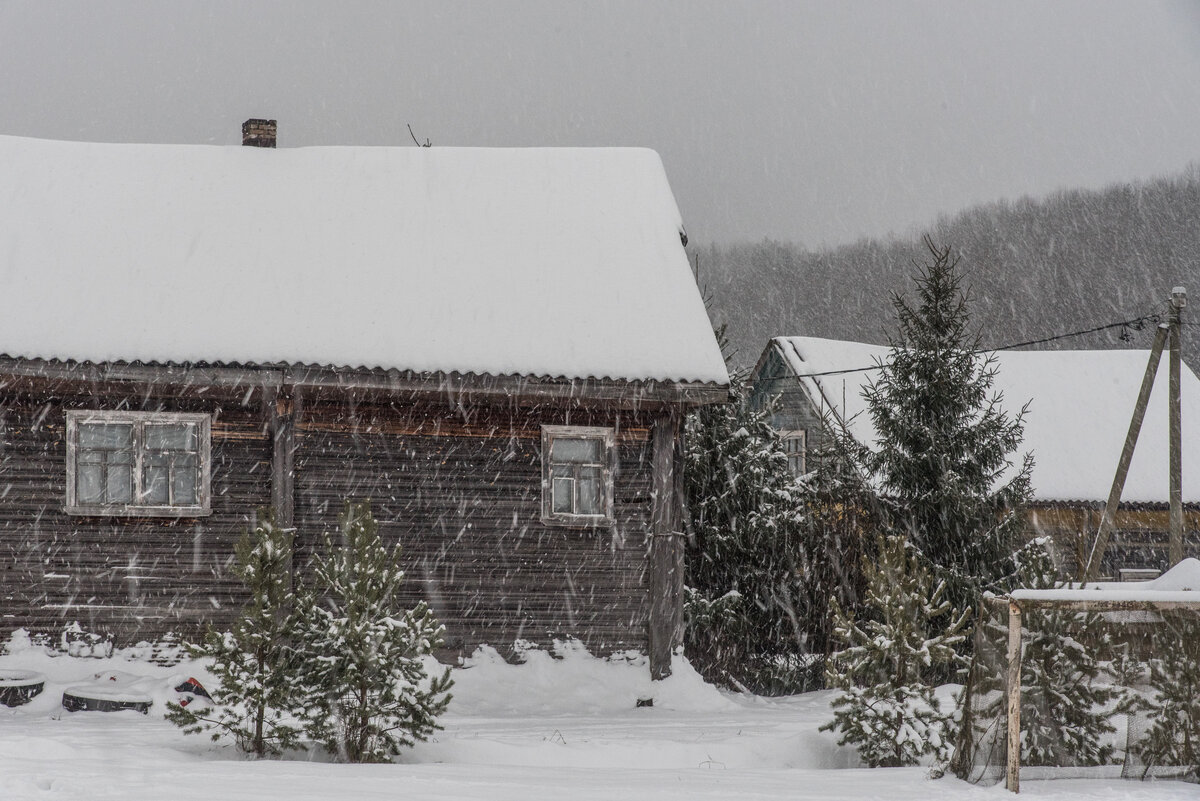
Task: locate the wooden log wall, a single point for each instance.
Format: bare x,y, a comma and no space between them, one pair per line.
460,491
1139,540
128,578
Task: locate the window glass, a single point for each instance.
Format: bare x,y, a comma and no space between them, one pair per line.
563,490
172,437
106,436
120,484
566,449
90,480
590,493
155,478
183,485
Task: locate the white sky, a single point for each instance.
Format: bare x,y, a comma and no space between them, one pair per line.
815,122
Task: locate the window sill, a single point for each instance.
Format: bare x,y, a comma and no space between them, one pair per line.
578,521
139,511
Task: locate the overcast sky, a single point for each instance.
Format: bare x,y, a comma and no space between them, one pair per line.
812,122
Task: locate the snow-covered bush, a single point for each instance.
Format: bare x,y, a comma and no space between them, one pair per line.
359,660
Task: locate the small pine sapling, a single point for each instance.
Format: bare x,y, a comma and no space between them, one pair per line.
886,707
366,687
254,702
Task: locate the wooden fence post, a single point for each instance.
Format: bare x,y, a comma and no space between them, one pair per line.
1013,693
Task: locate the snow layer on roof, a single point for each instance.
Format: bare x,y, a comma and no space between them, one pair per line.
1179,584
540,262
1080,403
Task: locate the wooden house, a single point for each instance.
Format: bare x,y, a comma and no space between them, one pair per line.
1080,403
494,346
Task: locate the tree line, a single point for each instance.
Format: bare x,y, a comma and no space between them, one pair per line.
1036,268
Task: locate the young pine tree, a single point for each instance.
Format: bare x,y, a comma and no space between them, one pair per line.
254,702
944,442
746,618
886,707
366,688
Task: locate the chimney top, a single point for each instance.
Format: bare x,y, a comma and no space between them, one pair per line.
258,133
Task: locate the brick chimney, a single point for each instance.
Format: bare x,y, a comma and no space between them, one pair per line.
258,133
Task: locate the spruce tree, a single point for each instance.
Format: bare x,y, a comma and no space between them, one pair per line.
1064,705
361,672
944,443
886,706
1173,704
254,702
1067,698
747,619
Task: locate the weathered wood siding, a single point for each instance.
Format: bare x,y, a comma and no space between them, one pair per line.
1139,539
776,386
131,578
460,491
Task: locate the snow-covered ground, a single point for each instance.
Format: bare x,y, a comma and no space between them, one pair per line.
560,728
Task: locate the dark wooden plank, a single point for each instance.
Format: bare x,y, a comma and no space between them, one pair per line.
666,550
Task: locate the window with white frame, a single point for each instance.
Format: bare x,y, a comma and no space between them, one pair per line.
138,463
794,445
577,471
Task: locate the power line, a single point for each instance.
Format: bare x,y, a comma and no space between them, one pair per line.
1136,323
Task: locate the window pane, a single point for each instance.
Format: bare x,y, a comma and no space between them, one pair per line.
173,437
106,436
564,449
120,484
88,484
90,457
589,496
561,499
154,483
184,485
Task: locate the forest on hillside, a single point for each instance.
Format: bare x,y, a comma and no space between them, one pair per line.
1036,268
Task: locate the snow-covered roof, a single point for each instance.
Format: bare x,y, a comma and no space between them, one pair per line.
1180,584
1080,404
535,262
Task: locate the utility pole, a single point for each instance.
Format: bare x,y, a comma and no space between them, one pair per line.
1092,569
1174,320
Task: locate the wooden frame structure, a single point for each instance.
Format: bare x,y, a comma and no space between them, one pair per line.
1098,598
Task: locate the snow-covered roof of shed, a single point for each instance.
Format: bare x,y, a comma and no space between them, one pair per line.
1080,405
1180,584
537,262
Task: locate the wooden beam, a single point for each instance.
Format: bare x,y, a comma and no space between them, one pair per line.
1013,694
281,413
1092,569
666,549
1107,605
1175,428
